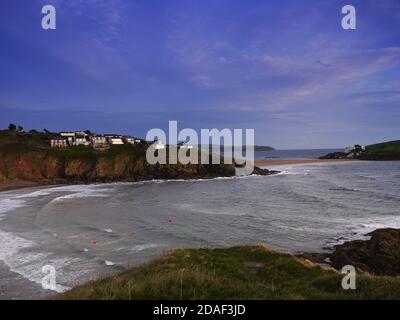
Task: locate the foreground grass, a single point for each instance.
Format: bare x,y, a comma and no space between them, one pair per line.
248,272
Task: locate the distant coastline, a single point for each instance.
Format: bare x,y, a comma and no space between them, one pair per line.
35,159
386,151
278,162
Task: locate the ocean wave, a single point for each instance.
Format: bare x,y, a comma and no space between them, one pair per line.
80,195
141,247
35,194
360,231
15,254
7,205
196,209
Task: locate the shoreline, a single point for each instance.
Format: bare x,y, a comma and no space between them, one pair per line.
8,185
278,162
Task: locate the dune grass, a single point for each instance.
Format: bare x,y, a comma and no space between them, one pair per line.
247,272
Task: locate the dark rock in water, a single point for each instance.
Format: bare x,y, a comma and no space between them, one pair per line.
380,255
335,155
264,172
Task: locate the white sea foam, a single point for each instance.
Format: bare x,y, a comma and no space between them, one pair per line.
109,263
22,257
7,205
81,195
35,194
81,192
141,247
14,251
360,231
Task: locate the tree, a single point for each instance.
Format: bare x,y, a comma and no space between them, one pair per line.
12,127
20,129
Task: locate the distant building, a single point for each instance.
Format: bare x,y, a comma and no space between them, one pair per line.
98,140
115,141
111,136
67,134
59,142
130,140
82,141
100,143
159,145
355,151
70,136
355,147
81,133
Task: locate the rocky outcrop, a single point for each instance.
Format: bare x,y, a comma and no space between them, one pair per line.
335,155
380,255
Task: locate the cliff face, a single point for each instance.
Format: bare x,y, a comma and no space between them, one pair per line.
83,165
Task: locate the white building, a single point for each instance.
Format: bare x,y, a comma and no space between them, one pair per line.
111,136
130,140
81,133
67,134
82,141
58,142
70,136
115,141
159,145
355,148
98,140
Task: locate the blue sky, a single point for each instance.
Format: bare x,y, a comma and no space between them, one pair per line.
285,68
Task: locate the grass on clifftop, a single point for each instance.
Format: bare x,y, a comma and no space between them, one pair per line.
384,151
248,272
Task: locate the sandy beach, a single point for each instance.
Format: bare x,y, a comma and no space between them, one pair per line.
278,162
16,184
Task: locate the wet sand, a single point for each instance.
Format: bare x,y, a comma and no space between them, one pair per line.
16,184
278,162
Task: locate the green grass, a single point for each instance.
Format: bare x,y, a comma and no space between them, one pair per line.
383,151
248,272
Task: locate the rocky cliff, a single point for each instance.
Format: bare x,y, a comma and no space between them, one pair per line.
84,165
380,255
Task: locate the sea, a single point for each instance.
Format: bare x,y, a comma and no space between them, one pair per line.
88,231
